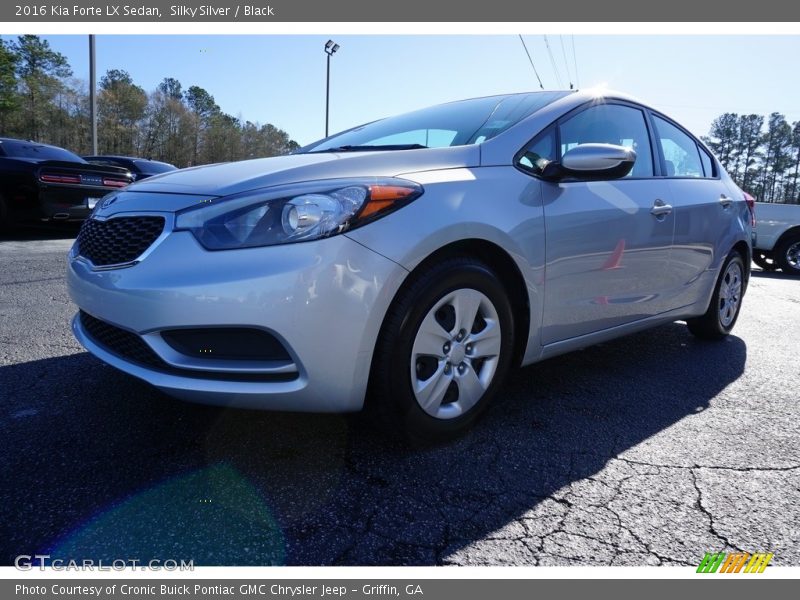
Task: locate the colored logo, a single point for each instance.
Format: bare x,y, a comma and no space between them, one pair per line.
735,562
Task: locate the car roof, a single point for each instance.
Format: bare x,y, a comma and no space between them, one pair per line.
8,139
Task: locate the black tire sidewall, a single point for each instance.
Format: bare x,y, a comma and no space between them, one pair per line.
433,286
734,257
780,256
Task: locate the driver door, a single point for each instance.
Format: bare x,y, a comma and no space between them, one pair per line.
607,242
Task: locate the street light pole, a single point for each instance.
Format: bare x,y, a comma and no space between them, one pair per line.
327,95
330,49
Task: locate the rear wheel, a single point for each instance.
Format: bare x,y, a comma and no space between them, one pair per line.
719,319
787,255
444,350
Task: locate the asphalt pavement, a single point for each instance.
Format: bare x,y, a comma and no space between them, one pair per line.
649,450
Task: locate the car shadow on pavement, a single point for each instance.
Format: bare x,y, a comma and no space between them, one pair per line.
99,465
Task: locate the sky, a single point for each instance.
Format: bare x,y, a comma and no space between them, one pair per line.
280,79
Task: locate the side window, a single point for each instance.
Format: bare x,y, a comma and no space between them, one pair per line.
611,124
681,155
539,152
708,164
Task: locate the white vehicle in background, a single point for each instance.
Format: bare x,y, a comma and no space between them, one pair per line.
777,243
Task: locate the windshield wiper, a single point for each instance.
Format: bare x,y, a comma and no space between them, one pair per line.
370,148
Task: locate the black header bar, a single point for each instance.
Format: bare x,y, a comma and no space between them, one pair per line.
400,10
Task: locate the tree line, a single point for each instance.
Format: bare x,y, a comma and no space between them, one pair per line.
41,101
764,161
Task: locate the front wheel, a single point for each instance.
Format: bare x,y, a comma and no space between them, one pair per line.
719,319
444,350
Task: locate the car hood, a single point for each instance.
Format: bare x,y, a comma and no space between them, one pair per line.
233,178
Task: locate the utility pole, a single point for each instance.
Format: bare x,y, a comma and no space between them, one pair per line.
93,94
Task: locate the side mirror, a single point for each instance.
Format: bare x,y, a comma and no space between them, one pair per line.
592,161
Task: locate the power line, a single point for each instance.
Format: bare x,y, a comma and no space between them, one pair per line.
553,62
566,64
531,61
575,62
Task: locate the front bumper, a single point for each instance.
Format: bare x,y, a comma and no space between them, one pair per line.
324,300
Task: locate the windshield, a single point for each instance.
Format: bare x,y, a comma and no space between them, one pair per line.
38,151
453,124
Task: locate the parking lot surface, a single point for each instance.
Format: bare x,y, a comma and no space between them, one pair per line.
650,450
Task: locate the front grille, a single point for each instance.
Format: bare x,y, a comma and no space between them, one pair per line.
227,343
124,343
119,240
131,347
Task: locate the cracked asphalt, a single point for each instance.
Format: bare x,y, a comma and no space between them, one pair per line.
650,450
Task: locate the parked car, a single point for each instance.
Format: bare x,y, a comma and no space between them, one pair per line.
39,182
418,257
777,243
142,168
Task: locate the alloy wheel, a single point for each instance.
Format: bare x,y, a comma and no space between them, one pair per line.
730,293
455,353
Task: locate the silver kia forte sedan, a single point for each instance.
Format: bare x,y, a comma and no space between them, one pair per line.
410,262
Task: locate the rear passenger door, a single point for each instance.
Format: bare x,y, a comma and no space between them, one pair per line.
704,211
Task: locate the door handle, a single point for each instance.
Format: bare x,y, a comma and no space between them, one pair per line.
725,201
660,208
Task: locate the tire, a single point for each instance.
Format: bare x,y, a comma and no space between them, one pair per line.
764,260
787,255
723,311
443,352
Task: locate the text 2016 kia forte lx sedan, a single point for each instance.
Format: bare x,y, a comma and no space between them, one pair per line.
419,256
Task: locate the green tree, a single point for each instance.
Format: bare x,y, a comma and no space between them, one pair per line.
171,88
749,141
203,108
777,157
9,98
224,140
260,141
41,71
39,100
723,139
792,190
121,106
68,117
168,124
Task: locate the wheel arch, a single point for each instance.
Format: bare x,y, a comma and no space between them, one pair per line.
788,239
746,252
503,265
792,231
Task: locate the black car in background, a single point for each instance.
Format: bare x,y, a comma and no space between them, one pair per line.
142,168
39,182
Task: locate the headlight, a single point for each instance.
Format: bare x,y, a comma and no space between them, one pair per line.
294,213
